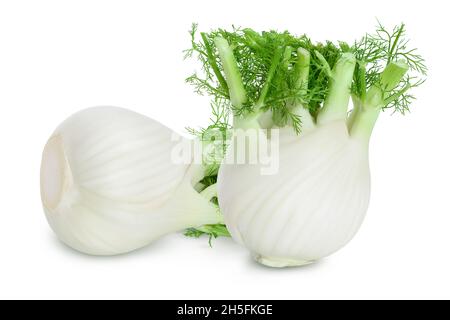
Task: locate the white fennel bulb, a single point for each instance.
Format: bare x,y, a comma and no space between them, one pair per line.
109,184
310,208
317,199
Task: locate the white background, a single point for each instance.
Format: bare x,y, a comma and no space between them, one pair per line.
57,57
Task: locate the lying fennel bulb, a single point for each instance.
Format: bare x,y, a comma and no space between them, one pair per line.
317,200
109,185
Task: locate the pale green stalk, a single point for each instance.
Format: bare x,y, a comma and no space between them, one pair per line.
302,67
365,119
336,102
238,95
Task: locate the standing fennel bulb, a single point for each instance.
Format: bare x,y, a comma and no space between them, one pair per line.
317,200
109,184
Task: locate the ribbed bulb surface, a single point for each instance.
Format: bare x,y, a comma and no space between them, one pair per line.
312,207
109,185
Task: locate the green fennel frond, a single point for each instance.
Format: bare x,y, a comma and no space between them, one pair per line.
374,52
211,230
266,62
215,136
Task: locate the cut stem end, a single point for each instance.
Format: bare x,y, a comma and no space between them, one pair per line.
56,176
274,262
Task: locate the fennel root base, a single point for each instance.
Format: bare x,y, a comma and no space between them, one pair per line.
280,262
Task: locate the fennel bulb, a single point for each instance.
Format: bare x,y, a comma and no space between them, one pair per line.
317,200
310,208
109,184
